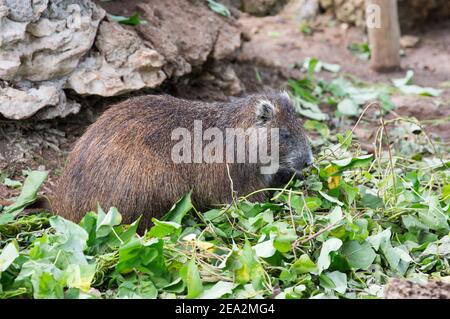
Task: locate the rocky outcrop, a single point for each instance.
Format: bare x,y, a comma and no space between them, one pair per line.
187,34
47,100
50,46
41,42
119,63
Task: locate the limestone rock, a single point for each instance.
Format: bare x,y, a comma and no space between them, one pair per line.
301,10
125,64
187,34
46,39
48,46
41,42
22,103
409,41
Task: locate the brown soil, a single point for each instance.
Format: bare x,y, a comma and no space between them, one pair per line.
275,48
402,289
276,41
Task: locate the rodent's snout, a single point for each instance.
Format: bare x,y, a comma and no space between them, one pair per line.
309,162
304,162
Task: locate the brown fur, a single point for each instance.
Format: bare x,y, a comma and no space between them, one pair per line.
124,158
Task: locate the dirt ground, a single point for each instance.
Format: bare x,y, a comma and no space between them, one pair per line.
402,289
277,41
272,49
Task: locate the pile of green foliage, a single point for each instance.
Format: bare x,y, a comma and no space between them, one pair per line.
355,221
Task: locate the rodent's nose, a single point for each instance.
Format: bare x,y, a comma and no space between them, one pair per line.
309,162
304,163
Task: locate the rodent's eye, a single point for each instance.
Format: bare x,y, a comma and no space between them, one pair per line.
285,134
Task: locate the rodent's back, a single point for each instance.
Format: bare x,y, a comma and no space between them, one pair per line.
123,160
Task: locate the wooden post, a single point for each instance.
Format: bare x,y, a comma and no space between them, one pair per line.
384,34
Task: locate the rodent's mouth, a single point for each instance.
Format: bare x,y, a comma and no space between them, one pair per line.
300,174
289,171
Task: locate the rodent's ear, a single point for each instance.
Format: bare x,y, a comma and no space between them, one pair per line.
265,111
286,95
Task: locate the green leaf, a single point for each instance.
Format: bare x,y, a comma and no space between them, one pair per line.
304,265
219,8
191,277
274,34
313,65
106,222
386,102
369,199
335,215
440,248
361,50
312,203
179,210
446,193
335,280
377,239
339,262
405,85
27,196
162,229
218,290
350,192
146,256
249,268
265,249
130,231
303,93
330,67
352,162
434,217
309,109
348,107
88,223
305,29
142,290
217,215
345,140
11,183
404,81
418,90
283,242
322,128
397,257
46,286
132,20
80,276
331,198
359,256
8,255
412,224
72,236
323,262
